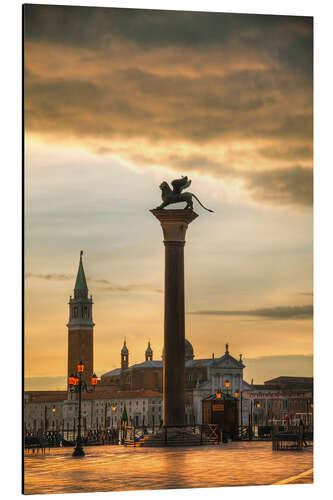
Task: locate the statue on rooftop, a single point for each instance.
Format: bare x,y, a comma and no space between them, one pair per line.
175,195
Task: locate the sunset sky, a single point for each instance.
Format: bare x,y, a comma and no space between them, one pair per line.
119,100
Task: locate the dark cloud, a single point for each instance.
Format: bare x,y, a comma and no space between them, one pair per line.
130,288
283,312
50,277
286,186
110,287
282,186
203,80
303,153
88,26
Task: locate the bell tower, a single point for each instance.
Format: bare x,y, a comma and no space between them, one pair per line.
149,353
124,357
81,328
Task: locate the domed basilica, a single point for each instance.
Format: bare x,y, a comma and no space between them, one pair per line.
207,373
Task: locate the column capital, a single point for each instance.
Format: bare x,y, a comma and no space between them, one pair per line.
174,223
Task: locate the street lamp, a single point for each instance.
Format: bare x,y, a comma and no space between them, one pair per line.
257,405
76,384
227,385
53,409
219,393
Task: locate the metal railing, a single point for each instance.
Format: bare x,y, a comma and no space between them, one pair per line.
266,432
199,434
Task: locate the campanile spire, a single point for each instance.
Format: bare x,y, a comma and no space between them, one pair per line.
80,326
81,288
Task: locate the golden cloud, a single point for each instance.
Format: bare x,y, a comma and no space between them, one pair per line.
233,102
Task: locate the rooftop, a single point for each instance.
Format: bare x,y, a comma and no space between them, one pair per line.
53,396
190,363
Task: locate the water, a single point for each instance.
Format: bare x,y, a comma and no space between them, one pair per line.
119,468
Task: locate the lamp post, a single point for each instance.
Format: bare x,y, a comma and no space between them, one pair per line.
53,409
251,421
76,384
45,419
311,406
114,408
237,397
257,405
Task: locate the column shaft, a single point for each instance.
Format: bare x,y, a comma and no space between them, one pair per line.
174,335
174,225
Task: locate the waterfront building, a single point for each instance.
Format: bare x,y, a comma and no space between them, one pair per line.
51,410
279,399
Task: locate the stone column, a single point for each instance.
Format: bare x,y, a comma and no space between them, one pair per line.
174,225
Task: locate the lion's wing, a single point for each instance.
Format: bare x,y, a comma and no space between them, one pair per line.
180,184
188,183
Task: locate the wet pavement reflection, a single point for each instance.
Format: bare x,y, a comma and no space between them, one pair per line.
119,468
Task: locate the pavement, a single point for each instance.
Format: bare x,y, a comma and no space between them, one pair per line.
305,477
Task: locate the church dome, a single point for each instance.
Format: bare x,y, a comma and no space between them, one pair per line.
189,353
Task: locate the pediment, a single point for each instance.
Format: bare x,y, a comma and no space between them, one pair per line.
228,362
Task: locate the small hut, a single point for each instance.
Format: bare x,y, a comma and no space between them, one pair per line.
221,409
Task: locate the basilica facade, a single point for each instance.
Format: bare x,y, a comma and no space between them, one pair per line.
203,376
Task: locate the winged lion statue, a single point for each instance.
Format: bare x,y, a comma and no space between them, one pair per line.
175,195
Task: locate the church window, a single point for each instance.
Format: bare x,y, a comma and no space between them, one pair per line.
75,312
85,312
